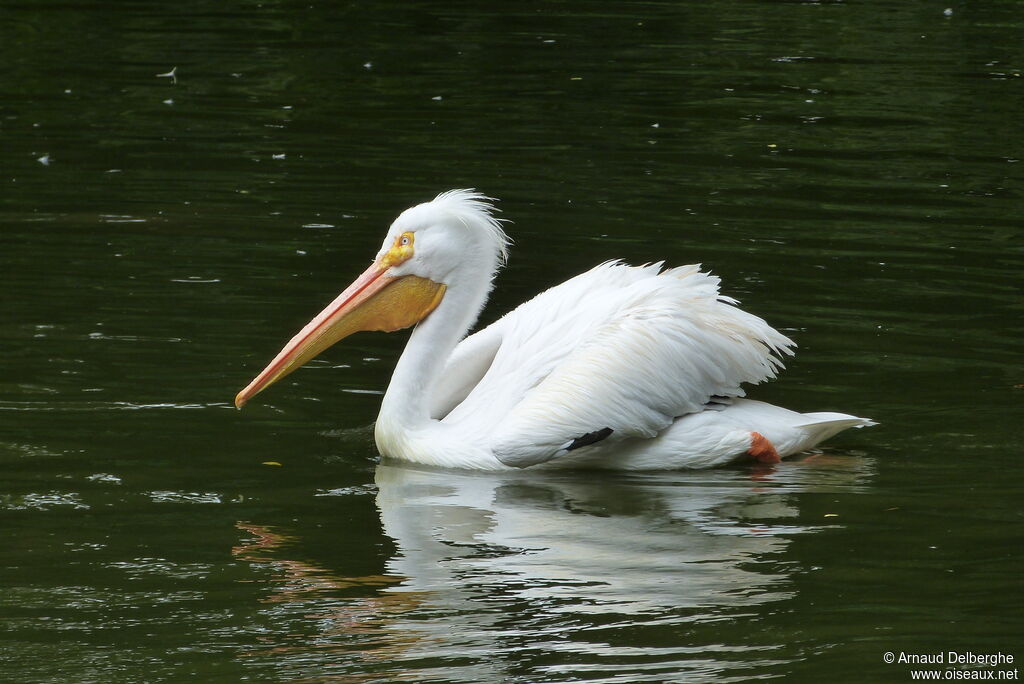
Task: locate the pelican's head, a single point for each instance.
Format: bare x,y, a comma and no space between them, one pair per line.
449,242
437,239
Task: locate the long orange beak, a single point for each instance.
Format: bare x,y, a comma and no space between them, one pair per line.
375,301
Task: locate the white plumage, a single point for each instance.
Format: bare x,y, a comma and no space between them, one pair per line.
621,367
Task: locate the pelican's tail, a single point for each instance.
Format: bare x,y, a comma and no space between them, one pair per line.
788,431
817,427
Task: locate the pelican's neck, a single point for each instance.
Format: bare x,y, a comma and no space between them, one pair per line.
407,401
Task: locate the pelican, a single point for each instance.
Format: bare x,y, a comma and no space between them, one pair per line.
621,367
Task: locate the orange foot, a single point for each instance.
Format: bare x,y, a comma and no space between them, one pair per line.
762,449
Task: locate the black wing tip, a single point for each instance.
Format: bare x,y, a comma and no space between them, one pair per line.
589,438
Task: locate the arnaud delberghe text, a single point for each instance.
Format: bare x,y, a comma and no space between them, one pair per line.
956,658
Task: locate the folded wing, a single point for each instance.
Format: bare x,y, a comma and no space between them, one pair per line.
616,352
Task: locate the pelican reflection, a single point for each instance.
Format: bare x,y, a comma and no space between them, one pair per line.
666,544
536,576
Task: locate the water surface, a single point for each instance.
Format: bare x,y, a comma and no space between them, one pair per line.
851,170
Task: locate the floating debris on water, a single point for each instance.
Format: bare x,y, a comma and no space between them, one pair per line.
172,74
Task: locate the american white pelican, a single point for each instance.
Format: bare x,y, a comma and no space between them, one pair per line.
622,367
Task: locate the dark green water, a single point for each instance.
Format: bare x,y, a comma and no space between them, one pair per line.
852,170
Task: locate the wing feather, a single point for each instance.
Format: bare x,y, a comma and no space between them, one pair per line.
464,370
619,347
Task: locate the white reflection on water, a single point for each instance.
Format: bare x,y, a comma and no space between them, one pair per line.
557,576
550,561
582,545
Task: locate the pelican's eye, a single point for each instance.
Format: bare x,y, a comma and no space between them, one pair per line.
400,252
